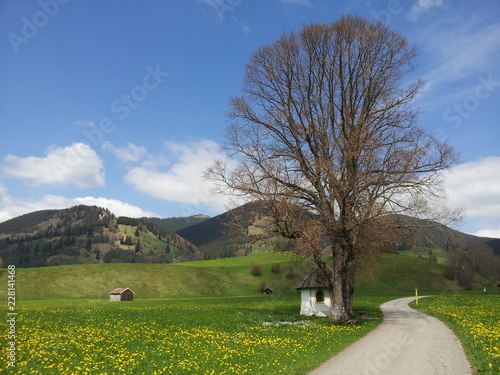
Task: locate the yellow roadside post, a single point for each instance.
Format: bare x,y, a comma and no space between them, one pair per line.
416,296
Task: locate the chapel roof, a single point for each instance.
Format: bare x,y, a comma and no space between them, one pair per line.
314,279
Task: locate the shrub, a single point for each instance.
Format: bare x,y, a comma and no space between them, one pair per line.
291,274
433,258
256,269
275,268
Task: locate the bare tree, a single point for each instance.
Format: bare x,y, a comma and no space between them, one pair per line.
327,140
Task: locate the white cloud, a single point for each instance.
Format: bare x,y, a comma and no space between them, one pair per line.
491,233
77,164
11,207
117,207
182,181
132,152
446,45
476,185
222,8
422,6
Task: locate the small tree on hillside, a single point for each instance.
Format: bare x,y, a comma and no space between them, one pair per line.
128,241
256,269
328,143
275,268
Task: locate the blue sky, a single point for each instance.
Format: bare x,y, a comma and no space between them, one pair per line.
122,104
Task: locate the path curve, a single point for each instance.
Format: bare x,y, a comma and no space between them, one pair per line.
407,342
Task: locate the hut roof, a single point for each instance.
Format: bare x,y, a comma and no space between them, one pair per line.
314,279
120,291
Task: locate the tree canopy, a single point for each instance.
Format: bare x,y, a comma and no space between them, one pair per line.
327,139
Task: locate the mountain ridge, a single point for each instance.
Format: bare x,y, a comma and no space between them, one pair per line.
80,234
214,232
88,234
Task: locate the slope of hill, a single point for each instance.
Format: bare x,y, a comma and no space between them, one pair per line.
389,274
425,233
225,277
21,223
220,237
395,273
224,235
88,234
494,243
175,224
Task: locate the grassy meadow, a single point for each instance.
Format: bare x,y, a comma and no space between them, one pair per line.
441,256
205,317
387,274
224,277
254,335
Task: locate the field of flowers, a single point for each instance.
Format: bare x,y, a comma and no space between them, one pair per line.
475,319
211,336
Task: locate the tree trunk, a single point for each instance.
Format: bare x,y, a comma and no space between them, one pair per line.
337,310
348,295
341,308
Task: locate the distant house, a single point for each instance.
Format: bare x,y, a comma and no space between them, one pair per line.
121,294
267,291
315,296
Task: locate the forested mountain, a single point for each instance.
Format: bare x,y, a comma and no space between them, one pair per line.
226,235
88,234
175,224
424,233
85,234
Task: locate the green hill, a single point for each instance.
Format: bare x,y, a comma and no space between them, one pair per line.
224,235
396,273
387,274
88,234
225,277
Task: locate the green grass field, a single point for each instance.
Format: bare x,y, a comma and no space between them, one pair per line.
388,274
474,319
225,277
205,317
425,252
395,274
255,335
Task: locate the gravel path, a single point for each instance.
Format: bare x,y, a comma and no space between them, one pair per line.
407,342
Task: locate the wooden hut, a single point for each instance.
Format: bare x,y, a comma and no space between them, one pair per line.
267,291
121,294
315,296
